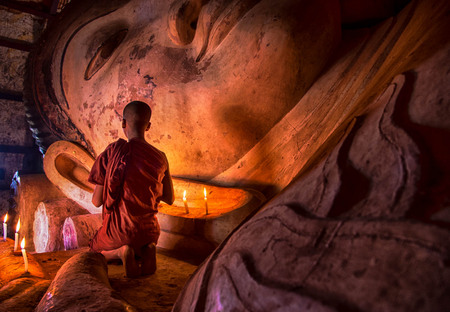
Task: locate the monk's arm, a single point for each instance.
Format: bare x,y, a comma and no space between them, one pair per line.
168,193
97,197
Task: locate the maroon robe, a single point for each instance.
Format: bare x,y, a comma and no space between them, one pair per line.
132,176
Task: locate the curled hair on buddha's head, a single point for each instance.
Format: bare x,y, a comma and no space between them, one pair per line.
137,114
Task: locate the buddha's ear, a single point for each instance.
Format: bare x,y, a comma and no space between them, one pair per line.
183,17
67,166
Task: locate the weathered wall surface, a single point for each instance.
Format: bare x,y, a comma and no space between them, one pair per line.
17,148
14,141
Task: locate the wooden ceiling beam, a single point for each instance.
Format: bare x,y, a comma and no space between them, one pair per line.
11,95
15,44
26,8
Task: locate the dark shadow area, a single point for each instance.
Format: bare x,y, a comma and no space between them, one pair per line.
194,259
354,185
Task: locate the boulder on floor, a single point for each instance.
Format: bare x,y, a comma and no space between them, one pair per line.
82,284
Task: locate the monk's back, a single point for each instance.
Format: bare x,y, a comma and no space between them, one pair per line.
144,173
134,173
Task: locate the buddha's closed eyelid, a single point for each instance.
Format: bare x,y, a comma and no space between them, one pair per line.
104,52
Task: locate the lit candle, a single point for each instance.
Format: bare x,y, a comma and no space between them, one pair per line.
24,254
5,227
185,202
16,238
206,200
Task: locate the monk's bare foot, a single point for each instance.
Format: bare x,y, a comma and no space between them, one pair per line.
129,261
148,259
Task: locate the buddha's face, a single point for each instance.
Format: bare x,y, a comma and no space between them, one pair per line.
217,74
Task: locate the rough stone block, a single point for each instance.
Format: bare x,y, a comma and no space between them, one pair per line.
82,284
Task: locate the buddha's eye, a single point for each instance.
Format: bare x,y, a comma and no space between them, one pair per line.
104,52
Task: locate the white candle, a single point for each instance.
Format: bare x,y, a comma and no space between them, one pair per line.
206,200
5,227
16,238
24,254
185,202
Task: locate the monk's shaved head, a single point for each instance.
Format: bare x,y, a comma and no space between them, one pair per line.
137,114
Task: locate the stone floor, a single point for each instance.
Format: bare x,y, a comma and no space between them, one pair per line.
157,292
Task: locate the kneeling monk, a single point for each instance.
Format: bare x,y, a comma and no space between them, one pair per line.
131,178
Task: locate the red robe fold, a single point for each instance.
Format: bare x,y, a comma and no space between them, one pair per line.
132,176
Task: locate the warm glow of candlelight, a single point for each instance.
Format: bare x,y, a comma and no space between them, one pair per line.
185,202
24,254
5,227
206,201
16,236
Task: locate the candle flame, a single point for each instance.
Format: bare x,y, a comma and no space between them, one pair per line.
18,226
184,195
5,219
204,191
22,243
